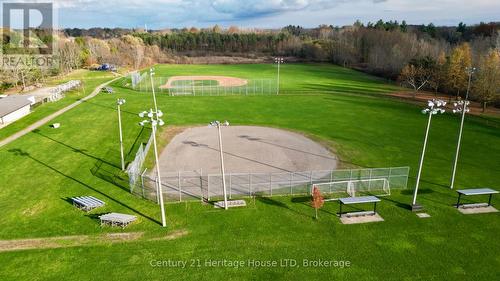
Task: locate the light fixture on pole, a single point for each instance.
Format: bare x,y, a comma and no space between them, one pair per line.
279,61
433,107
119,103
461,107
154,119
218,125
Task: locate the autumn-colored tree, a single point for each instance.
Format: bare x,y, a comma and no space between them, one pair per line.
317,200
233,29
460,59
216,29
438,73
487,84
417,73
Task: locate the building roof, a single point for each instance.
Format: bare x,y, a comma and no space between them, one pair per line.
13,103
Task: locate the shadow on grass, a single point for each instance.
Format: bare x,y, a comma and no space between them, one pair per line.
77,150
110,107
272,202
405,206
420,191
20,152
95,216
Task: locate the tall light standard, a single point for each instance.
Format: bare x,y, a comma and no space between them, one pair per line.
461,107
218,125
119,103
151,74
279,61
154,119
433,107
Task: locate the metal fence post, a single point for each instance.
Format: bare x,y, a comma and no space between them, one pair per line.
249,184
370,180
331,180
271,183
208,187
179,185
230,186
389,176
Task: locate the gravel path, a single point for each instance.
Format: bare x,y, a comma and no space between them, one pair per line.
47,119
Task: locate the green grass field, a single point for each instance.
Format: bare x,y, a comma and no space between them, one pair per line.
41,170
90,79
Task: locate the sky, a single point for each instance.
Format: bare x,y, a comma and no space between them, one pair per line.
159,14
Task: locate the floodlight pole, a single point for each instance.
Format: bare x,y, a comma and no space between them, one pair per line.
222,166
154,119
160,189
218,125
279,61
422,160
470,72
151,73
434,107
120,102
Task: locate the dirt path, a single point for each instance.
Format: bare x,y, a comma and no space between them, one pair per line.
83,240
66,241
47,119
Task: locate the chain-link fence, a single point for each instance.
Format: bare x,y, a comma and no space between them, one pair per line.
193,185
134,169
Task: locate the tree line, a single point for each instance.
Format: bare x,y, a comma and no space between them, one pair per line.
418,56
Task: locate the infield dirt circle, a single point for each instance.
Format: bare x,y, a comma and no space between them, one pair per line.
223,81
247,149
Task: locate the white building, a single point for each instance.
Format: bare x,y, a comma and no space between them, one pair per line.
13,108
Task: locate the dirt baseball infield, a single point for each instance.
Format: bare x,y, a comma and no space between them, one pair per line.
247,149
223,81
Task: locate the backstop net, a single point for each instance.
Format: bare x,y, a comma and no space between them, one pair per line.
354,188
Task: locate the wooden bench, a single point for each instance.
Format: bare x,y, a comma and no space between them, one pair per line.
477,191
359,200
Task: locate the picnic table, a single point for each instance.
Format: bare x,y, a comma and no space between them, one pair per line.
360,200
476,191
87,203
117,219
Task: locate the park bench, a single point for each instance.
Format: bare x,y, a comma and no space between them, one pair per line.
117,219
359,200
477,191
108,90
87,203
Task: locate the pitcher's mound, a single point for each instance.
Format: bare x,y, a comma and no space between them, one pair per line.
247,149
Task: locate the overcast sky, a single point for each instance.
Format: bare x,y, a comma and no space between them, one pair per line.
157,14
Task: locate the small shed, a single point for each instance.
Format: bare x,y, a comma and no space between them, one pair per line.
13,108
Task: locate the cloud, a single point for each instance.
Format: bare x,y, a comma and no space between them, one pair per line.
265,13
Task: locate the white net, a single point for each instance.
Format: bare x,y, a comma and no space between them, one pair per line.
354,188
